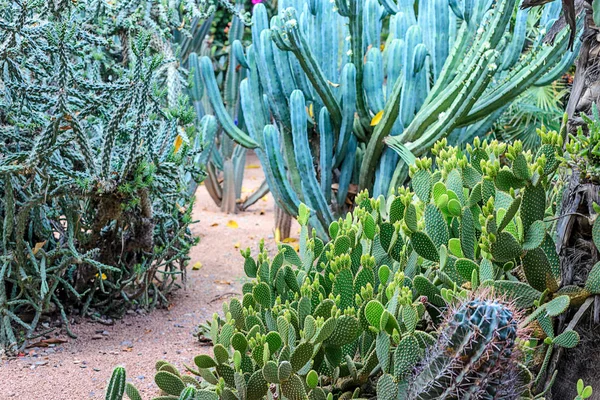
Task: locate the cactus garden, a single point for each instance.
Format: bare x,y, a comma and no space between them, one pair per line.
300,199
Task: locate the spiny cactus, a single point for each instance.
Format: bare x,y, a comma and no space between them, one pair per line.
96,155
382,308
321,67
116,386
475,355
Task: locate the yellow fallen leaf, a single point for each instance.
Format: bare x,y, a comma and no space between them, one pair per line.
310,111
253,166
38,246
381,47
197,265
277,235
103,276
290,240
237,245
297,247
178,143
377,118
265,198
232,224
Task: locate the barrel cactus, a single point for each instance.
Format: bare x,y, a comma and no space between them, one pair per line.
476,354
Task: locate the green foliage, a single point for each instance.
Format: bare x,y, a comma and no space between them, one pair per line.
583,150
326,72
116,386
97,146
389,308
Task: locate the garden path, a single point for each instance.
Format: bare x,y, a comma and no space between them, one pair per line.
80,368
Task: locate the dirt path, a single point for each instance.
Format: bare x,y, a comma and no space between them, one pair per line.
80,368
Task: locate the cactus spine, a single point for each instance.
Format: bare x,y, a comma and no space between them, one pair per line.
474,357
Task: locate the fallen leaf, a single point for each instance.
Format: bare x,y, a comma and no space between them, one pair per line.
178,143
253,166
214,224
237,245
103,276
38,246
222,282
377,118
232,224
197,265
265,198
333,84
277,235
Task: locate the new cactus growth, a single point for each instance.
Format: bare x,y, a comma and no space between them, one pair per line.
445,68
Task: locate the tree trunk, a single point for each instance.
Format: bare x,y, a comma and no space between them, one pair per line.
574,245
283,224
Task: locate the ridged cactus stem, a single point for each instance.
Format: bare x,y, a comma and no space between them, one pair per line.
356,37
116,386
474,356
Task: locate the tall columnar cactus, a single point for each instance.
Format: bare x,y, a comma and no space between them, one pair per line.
475,355
446,67
225,159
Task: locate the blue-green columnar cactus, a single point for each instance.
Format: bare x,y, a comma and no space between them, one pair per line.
475,355
444,67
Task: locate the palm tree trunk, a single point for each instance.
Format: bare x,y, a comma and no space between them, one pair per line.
574,245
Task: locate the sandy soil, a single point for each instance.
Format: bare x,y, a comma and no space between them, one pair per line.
80,368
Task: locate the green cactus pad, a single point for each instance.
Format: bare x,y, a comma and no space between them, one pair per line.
465,267
567,339
132,392
435,225
169,383
533,205
269,372
505,248
406,356
301,355
593,281
535,235
538,271
426,288
257,386
424,246
421,183
293,388
285,370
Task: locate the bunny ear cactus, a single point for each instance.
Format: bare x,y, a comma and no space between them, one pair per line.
442,69
424,294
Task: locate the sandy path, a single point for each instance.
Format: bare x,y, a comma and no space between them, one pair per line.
80,368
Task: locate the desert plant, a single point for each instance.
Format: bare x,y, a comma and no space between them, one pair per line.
308,97
446,289
94,164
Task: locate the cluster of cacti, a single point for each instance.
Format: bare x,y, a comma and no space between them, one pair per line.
323,86
94,160
447,289
583,150
225,159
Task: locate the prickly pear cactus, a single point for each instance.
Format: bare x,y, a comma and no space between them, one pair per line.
419,295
